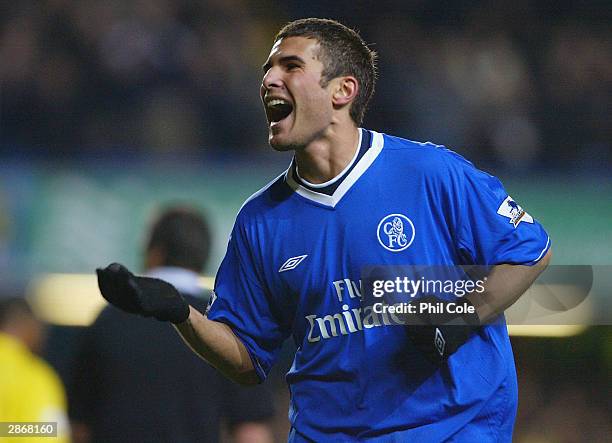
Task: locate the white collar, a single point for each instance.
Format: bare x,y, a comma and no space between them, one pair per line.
340,175
184,280
362,165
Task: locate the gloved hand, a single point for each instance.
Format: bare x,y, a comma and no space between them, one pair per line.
439,334
149,297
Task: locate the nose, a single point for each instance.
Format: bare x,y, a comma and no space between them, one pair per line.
272,79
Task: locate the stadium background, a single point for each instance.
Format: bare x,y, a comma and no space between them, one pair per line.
109,109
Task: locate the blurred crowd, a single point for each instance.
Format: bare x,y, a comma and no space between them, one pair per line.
144,74
518,84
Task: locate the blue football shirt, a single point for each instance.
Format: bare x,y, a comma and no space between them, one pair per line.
293,268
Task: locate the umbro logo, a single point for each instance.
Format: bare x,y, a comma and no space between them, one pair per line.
292,263
439,342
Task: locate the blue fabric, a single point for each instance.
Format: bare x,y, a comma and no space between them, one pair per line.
356,377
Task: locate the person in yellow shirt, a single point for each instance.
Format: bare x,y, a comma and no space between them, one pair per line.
30,390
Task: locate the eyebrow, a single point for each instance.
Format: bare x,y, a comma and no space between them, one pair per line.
285,59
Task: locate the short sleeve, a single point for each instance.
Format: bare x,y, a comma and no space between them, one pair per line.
242,300
493,228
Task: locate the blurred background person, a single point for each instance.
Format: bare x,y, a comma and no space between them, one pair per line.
136,381
30,390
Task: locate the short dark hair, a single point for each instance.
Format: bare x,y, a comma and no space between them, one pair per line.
183,236
343,53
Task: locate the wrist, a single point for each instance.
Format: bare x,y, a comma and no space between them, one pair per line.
469,312
483,311
182,313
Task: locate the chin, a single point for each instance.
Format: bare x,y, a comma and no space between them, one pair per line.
278,144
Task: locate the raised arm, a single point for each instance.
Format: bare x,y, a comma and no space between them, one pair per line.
216,343
150,297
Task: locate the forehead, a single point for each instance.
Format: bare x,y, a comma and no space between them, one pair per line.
305,48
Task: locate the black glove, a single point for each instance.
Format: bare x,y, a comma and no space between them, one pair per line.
149,297
439,334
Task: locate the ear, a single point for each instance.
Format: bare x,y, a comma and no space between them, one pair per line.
345,91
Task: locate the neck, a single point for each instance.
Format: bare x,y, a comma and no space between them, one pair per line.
326,157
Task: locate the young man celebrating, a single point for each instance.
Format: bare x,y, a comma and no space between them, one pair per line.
352,199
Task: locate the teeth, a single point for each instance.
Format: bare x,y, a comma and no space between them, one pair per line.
277,102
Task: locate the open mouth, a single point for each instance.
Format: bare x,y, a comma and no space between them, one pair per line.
278,109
